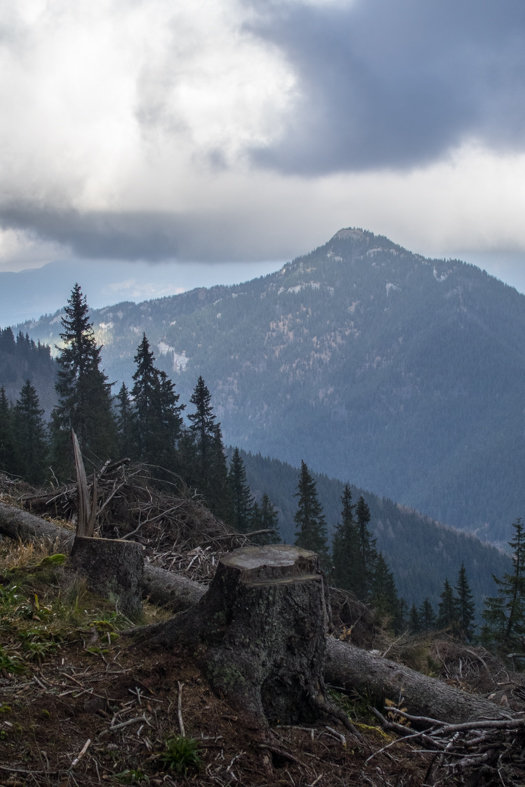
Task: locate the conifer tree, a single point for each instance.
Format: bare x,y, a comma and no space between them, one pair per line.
427,616
242,498
7,444
84,395
367,549
504,614
31,438
208,467
447,611
465,607
384,597
203,428
309,518
156,412
125,424
265,517
346,573
414,622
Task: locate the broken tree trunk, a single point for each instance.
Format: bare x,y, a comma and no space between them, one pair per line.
113,568
263,621
348,666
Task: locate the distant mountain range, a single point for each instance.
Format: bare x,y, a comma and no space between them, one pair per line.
401,374
29,293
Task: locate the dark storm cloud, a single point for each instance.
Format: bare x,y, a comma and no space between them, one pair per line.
132,235
396,83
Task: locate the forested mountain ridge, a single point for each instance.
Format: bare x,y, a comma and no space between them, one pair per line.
21,360
398,373
421,553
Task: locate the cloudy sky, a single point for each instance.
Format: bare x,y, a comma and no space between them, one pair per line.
249,131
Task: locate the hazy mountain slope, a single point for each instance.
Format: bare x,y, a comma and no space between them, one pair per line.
421,553
402,374
21,360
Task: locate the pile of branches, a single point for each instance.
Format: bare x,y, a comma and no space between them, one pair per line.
170,520
474,753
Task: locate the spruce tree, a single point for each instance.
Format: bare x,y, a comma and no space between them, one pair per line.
309,518
367,550
156,412
7,443
504,614
384,597
242,498
125,424
427,616
265,517
465,606
31,438
346,573
208,467
447,612
414,622
203,427
84,394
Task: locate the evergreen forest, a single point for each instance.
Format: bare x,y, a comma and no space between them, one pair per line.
368,546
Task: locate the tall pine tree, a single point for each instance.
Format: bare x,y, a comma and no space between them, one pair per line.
31,437
207,460
265,517
447,611
156,413
504,614
126,434
367,550
465,607
242,498
309,519
7,443
84,395
384,597
346,573
427,616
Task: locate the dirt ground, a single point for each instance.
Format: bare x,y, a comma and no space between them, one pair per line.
125,703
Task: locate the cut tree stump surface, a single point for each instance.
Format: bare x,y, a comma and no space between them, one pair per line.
264,621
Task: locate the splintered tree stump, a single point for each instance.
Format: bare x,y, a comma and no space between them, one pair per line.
113,568
264,621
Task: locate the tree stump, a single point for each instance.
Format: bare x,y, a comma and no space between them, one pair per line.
264,621
113,568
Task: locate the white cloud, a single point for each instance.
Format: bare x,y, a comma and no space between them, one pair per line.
150,106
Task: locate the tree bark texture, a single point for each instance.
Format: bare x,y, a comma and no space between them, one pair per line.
347,666
19,524
354,669
264,622
113,568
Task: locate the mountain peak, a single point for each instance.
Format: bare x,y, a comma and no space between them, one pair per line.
350,233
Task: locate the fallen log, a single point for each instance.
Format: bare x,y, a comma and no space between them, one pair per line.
354,669
161,587
347,666
21,525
